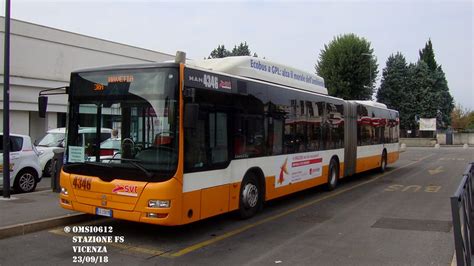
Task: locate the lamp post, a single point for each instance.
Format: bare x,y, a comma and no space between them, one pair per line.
6,105
370,67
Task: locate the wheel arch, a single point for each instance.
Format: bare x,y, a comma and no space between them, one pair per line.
37,176
258,172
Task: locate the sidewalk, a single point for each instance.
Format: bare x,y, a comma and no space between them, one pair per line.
30,207
31,212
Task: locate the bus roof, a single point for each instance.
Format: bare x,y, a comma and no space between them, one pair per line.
372,103
265,70
126,67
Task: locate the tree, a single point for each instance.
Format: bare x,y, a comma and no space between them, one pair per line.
393,87
410,108
239,50
445,100
219,52
444,103
423,92
459,118
396,89
427,55
422,86
412,96
462,118
348,67
242,49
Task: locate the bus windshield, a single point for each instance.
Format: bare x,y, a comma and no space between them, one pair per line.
133,114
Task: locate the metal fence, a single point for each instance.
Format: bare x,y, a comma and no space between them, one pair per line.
462,204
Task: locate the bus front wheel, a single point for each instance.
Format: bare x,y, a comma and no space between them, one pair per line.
250,196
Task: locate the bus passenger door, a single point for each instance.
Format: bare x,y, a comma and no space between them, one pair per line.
207,161
215,198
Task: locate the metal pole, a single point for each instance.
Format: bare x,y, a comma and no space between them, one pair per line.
458,241
6,105
370,73
369,55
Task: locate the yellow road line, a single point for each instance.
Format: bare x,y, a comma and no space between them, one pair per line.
156,252
271,218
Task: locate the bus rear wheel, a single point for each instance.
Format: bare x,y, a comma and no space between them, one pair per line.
333,175
250,196
383,162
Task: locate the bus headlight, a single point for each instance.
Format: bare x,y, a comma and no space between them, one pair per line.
64,191
159,203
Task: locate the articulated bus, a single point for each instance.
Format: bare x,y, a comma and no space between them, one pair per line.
197,139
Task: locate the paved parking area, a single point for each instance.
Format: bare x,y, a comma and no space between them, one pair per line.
401,217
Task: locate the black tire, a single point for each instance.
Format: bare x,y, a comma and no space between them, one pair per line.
333,175
48,169
250,198
383,162
25,181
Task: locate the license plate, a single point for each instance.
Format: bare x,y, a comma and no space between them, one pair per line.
103,212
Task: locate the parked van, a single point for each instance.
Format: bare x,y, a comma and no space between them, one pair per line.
55,138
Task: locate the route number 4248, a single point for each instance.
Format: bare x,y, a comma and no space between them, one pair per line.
82,183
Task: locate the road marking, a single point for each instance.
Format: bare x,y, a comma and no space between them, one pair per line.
436,171
431,189
412,188
452,159
158,252
208,242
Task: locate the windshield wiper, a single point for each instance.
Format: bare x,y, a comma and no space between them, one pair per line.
97,164
134,163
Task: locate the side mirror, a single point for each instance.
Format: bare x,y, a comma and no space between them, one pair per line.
42,105
191,113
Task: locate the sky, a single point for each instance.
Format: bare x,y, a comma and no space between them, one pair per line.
287,32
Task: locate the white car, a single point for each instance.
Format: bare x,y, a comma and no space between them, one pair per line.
25,171
54,139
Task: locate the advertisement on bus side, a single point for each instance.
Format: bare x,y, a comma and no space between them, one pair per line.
298,167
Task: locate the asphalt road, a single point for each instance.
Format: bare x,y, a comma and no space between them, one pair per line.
401,217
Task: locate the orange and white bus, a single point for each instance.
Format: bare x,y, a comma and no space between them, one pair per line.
198,139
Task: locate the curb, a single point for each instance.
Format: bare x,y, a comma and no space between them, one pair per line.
35,226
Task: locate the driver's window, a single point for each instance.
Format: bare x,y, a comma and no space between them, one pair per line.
195,156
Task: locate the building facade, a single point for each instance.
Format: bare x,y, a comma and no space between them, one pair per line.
42,58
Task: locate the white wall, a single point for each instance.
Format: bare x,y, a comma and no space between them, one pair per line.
43,57
463,138
458,138
17,124
51,54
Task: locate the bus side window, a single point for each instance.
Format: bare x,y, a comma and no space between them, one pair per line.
218,137
275,135
248,135
291,141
